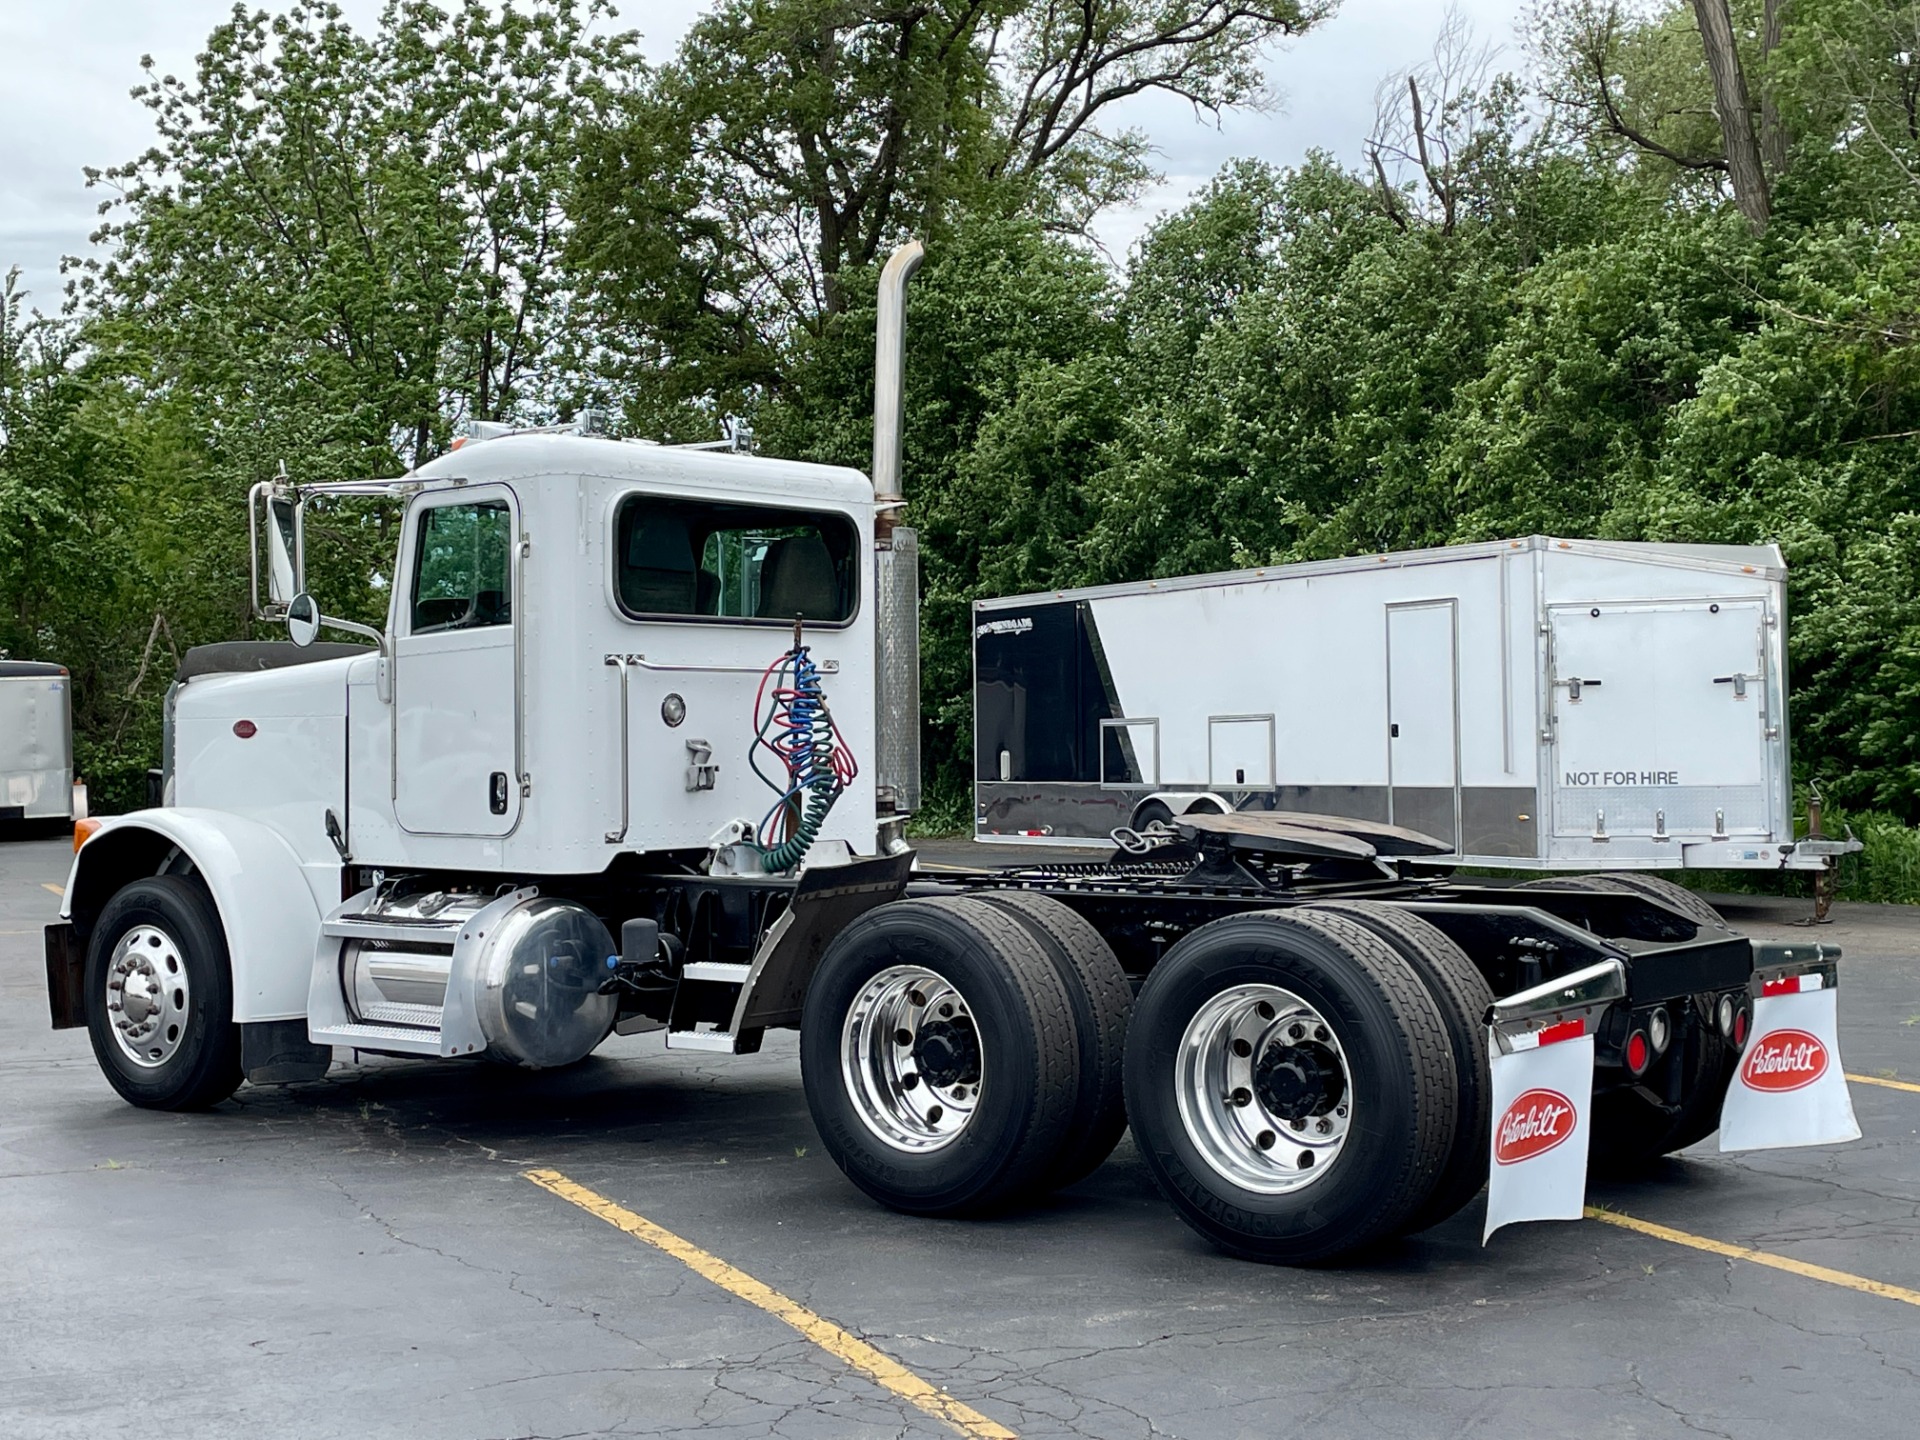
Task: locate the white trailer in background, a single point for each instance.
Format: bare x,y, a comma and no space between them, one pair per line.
36,742
1535,703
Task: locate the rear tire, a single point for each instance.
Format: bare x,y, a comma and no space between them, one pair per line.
1463,996
1647,887
159,996
938,1054
1102,1001
1349,1037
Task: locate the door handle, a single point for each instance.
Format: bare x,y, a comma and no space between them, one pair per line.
1574,684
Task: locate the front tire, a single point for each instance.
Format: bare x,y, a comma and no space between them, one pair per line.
159,996
1291,1085
938,1053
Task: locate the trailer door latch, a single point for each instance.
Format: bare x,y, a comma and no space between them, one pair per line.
1574,684
1739,683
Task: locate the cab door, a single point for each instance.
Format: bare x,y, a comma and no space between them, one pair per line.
456,691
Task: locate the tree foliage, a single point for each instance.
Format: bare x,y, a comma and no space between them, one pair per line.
1540,304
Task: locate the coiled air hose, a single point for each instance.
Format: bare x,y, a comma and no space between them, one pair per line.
798,730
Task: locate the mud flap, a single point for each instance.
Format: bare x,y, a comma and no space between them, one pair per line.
1790,1089
1541,1046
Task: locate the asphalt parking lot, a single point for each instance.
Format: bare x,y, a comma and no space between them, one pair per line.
365,1256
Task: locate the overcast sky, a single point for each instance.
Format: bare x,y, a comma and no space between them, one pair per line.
70,63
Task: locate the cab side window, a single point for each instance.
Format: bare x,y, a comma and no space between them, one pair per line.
711,560
462,567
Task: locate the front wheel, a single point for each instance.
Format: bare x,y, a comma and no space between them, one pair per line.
159,997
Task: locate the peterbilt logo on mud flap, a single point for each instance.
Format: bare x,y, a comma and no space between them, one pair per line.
1536,1122
1784,1060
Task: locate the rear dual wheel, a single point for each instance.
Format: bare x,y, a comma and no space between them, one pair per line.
1292,1085
939,1056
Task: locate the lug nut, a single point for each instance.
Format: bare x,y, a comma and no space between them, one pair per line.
1295,1031
1325,1127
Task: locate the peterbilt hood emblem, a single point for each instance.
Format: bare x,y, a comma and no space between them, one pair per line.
1537,1121
1784,1060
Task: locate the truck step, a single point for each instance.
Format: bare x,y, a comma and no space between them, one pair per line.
405,932
393,1039
719,1041
720,971
400,1012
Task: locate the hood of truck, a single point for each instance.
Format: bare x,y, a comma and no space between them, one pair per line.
266,744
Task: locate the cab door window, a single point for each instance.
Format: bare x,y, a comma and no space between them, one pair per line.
462,568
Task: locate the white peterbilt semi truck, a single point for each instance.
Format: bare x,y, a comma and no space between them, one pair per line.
1537,703
633,752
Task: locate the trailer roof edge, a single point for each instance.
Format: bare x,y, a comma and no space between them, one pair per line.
1761,562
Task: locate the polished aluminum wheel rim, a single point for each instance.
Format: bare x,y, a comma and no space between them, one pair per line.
148,996
1264,1089
910,1059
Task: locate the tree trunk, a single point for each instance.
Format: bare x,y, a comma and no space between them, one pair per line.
1735,110
1773,135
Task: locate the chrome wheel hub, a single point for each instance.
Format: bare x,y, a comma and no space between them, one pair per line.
148,995
1264,1090
910,1059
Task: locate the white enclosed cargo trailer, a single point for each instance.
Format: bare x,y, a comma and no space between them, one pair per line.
36,741
1535,703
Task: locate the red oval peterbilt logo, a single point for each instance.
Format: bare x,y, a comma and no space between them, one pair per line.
1784,1060
1533,1125
245,729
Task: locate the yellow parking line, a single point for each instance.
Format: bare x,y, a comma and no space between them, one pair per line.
1890,1084
882,1370
1758,1257
59,890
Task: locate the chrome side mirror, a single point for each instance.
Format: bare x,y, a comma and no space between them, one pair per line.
303,620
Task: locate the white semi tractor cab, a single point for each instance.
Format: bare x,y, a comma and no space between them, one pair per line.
633,752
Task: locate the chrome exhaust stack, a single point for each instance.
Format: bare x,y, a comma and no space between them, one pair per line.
896,692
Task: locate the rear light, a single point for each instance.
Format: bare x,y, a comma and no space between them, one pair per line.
1639,1053
1740,1028
1724,1015
83,832
1659,1031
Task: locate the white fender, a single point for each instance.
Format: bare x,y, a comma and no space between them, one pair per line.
264,894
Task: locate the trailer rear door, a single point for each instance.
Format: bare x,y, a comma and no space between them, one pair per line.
1660,718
